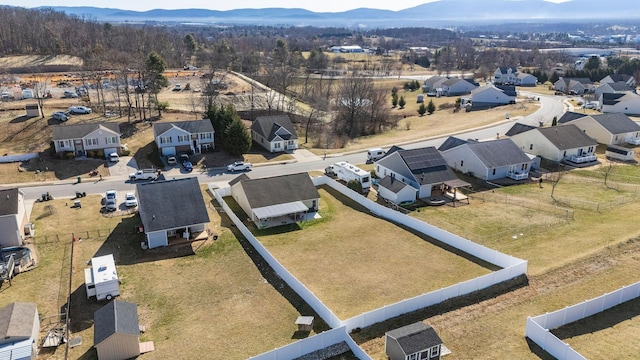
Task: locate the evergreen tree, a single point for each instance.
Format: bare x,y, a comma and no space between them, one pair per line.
394,99
431,108
402,102
422,109
554,122
237,139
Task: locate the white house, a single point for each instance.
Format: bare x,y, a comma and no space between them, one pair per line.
171,210
13,217
432,84
19,330
625,103
505,75
80,139
277,200
487,160
610,129
274,133
191,137
613,88
455,86
575,86
555,143
488,96
614,78
524,79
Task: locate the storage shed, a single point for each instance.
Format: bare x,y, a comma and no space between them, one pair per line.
101,279
619,153
19,329
116,331
33,110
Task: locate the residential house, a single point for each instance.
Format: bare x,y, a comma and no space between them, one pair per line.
614,78
455,86
505,75
524,79
274,133
610,129
556,143
417,341
574,86
486,160
277,200
432,84
171,210
626,103
488,96
19,330
81,139
396,191
191,137
13,217
424,169
613,88
116,333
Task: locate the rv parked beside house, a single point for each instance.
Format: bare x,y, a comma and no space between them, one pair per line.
348,172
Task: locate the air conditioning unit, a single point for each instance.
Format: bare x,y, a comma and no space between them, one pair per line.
29,229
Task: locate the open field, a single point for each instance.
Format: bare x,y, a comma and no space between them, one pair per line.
212,291
355,262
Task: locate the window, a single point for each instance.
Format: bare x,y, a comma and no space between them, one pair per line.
565,153
413,356
524,166
494,171
91,141
461,163
424,355
165,140
277,145
435,350
64,143
111,140
183,138
204,136
530,146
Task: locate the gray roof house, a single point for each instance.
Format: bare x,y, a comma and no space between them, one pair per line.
13,217
433,83
574,85
455,86
417,341
80,139
505,75
614,78
171,210
19,330
277,200
488,96
191,137
556,143
116,331
626,103
424,169
488,160
274,133
613,88
609,129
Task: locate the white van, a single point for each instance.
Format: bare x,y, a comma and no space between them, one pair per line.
374,154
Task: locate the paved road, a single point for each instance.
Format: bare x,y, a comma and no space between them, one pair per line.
551,106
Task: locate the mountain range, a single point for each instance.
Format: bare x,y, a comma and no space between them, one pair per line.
433,14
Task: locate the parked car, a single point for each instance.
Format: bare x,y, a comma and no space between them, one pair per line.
114,157
60,115
6,95
70,94
111,195
111,200
177,87
187,165
79,110
171,160
110,205
130,200
239,166
590,105
183,157
27,94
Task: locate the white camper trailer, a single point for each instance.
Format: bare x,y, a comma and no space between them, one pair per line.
375,154
101,279
347,172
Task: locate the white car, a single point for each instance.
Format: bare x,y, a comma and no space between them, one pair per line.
79,110
130,200
239,166
114,157
60,115
111,195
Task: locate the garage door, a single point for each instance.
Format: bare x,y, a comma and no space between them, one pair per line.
110,151
168,151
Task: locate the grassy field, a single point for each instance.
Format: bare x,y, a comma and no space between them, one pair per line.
355,262
223,303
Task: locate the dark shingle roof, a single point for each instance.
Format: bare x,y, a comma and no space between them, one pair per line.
415,337
267,126
171,204
498,153
117,317
611,98
505,69
434,79
518,128
451,81
427,165
279,190
620,86
583,81
391,150
450,143
619,77
192,126
9,201
392,184
618,149
78,131
237,179
567,137
570,116
16,320
509,90
616,123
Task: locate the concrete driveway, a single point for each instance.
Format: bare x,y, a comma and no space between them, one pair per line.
124,167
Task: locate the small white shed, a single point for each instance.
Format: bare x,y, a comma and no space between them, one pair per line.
33,110
619,153
101,279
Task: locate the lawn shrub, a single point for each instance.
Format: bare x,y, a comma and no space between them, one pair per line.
91,154
69,155
126,152
355,186
99,154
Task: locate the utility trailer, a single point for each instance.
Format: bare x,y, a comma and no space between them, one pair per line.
347,172
101,279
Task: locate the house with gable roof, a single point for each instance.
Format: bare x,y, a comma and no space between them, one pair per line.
274,133
486,160
13,217
565,143
576,86
191,137
83,138
432,84
455,86
423,169
627,103
613,88
524,79
171,210
19,330
609,129
489,96
505,75
417,341
277,200
614,78
116,334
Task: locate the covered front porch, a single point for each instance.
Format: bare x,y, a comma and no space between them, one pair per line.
282,214
176,236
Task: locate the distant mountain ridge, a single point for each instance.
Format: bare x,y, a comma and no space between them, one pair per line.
438,13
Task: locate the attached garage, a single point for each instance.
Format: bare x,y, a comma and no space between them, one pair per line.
395,191
169,151
110,151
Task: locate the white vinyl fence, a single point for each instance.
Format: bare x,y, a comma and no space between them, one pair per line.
538,327
511,267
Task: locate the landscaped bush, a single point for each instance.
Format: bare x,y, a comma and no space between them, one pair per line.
126,152
91,154
69,155
355,186
99,154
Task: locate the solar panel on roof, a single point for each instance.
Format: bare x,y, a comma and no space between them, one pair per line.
422,158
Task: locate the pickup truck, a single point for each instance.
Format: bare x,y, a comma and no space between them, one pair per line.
144,174
239,166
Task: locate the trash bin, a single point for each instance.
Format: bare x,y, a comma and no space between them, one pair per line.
79,179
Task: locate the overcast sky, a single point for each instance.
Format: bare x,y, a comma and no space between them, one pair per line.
315,5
